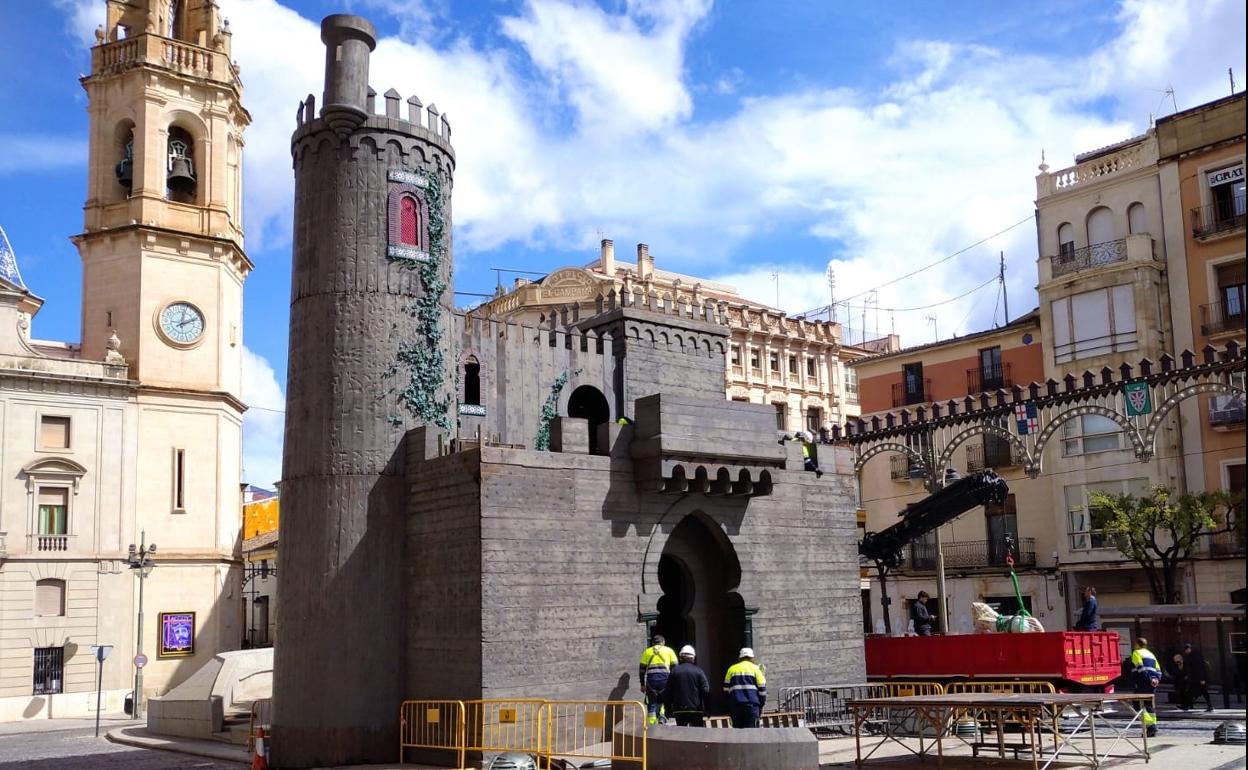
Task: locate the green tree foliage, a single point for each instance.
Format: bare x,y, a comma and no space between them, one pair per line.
1161,530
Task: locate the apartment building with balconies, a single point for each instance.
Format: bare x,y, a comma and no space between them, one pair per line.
974,545
1104,300
1201,168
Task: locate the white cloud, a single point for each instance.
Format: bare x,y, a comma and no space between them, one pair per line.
82,17
263,423
584,119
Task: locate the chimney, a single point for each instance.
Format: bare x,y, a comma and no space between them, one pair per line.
645,262
606,258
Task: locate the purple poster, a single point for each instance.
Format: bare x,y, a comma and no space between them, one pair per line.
177,634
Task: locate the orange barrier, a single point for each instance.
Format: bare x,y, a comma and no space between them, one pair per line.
261,715
432,724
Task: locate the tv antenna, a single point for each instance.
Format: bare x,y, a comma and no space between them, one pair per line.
931,319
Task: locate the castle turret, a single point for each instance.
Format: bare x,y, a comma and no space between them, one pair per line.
370,357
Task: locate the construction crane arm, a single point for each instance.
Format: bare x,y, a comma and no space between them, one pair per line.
958,497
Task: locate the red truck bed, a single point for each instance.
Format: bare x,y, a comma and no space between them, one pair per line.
1083,657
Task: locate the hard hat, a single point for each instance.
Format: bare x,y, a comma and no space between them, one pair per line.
688,650
746,652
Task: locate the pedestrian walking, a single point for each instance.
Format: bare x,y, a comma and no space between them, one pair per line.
656,665
1178,678
687,691
746,688
1089,615
1146,675
921,616
1197,676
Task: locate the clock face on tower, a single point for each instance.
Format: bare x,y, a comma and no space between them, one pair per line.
181,323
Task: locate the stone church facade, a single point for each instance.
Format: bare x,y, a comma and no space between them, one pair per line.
137,428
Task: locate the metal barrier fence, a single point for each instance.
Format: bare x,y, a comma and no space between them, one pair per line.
824,708
1003,686
765,719
505,725
614,730
261,716
432,724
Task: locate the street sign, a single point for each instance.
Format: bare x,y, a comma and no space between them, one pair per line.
140,660
1139,400
101,651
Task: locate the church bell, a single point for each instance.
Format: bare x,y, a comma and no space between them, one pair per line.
125,172
181,175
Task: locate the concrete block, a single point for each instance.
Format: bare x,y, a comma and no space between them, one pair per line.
569,435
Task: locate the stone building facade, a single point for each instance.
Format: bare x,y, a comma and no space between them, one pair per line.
472,521
137,428
795,365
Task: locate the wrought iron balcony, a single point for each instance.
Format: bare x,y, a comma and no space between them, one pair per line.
1221,217
993,453
903,468
1219,317
988,378
1226,544
903,396
1096,255
972,554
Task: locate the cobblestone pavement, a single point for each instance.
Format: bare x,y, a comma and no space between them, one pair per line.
78,749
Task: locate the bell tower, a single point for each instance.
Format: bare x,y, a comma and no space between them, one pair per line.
162,242
163,268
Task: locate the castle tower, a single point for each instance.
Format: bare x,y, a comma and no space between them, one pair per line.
163,268
370,357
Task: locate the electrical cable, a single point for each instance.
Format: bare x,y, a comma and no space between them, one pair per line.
942,260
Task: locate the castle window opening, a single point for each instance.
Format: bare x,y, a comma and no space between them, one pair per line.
814,418
810,367
756,361
472,381
781,415
409,221
793,365
774,361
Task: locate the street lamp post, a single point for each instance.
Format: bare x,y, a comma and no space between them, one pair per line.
140,560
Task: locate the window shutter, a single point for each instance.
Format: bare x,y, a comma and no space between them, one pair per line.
53,496
50,598
1231,274
54,432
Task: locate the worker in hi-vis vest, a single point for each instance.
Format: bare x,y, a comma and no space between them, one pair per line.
746,688
1146,675
656,663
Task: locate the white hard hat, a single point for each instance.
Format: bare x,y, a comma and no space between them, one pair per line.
688,650
746,652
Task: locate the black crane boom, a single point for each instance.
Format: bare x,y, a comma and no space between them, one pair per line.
958,497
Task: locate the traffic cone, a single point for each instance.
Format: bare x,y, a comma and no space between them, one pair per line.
260,760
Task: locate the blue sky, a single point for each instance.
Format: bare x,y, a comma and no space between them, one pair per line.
737,139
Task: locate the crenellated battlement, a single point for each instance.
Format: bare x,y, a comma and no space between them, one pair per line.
428,123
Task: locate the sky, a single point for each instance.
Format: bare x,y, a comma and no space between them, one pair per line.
755,143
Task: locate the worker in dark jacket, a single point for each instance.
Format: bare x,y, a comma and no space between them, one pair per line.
1197,677
921,617
1090,615
687,690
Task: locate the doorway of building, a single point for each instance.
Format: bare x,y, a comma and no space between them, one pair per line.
589,403
699,574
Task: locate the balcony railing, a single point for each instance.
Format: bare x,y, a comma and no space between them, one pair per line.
1226,544
973,553
903,396
903,468
49,542
992,454
1096,255
1219,317
988,378
1221,217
